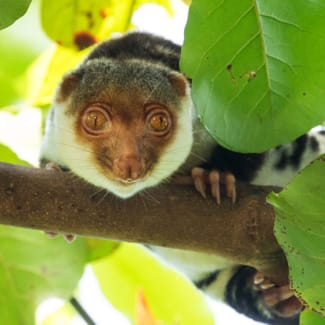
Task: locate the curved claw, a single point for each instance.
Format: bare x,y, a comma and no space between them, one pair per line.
199,177
230,184
51,234
69,237
214,178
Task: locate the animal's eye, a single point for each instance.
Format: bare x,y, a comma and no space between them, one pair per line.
159,122
95,120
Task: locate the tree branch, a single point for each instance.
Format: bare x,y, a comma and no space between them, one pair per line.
171,215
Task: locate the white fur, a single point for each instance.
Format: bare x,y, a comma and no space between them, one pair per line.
195,265
268,175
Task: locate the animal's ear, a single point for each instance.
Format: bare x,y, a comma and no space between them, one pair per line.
179,82
68,84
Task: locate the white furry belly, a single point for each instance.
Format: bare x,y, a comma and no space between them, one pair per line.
195,265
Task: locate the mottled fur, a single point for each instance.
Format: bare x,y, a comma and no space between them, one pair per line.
127,73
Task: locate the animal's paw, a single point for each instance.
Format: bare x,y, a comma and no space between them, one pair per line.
53,166
280,300
214,178
68,237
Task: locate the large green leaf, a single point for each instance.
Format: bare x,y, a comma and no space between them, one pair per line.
309,318
33,267
300,230
168,294
10,11
79,23
258,69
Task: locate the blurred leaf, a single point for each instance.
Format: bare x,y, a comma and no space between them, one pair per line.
300,230
131,267
257,68
99,248
64,315
10,11
143,314
8,156
80,23
308,317
34,267
47,71
15,58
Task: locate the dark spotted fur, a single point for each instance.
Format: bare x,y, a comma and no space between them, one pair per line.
152,48
239,292
207,280
243,166
294,158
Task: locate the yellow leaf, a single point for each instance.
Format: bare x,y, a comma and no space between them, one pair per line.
131,267
143,314
47,71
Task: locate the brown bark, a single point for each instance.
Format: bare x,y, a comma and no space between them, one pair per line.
170,215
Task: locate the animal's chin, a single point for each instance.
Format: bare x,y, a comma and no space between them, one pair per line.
129,181
126,188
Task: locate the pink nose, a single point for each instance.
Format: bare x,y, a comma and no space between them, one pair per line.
128,168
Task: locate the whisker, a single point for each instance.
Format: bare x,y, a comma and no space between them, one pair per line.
61,127
75,147
201,130
153,90
103,198
141,196
198,156
92,196
146,193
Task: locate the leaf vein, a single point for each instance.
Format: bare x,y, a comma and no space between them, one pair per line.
281,61
282,21
218,40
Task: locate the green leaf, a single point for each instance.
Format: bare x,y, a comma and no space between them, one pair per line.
10,11
257,68
168,294
8,156
33,267
99,248
300,230
15,58
80,23
307,317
